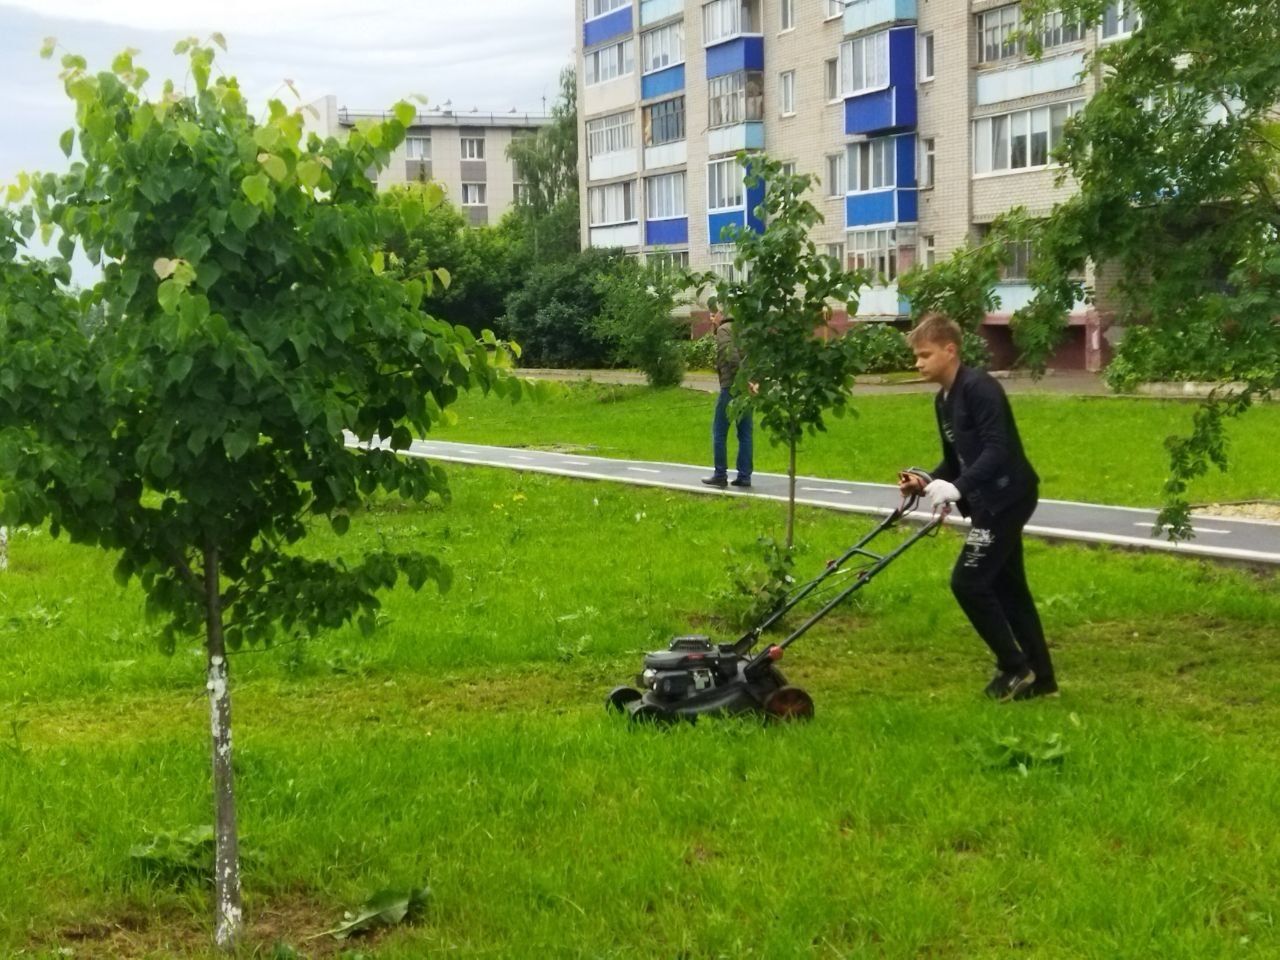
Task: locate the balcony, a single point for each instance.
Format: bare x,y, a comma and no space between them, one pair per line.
892,107
742,216
882,302
608,27
739,53
1030,79
651,11
892,206
606,166
662,82
860,15
740,136
670,232
616,235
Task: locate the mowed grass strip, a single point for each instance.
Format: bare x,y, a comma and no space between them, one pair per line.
1096,449
464,744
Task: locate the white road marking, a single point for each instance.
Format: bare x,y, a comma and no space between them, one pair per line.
517,456
1152,526
642,470
826,490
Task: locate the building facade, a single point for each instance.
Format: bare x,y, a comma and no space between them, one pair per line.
466,153
922,120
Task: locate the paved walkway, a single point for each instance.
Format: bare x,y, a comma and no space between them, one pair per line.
1251,541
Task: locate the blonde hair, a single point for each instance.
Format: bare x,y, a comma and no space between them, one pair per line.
936,329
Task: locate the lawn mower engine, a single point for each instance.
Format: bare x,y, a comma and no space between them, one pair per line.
695,676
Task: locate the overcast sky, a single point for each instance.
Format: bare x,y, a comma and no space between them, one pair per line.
494,55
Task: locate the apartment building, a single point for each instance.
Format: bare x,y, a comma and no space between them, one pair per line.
466,153
923,120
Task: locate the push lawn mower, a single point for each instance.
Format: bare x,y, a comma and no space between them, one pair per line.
695,676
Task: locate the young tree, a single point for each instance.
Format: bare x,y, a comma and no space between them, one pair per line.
1177,160
547,165
637,315
778,308
198,432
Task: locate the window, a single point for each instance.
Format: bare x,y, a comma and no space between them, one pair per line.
1022,140
664,122
789,168
724,185
520,193
1057,30
473,148
926,57
928,252
662,48
614,203
598,8
864,64
417,148
836,252
1120,19
722,19
664,197
473,194
927,162
875,250
787,92
723,256
609,63
835,8
611,134
668,260
787,14
831,74
835,175
999,34
871,165
735,98
1019,263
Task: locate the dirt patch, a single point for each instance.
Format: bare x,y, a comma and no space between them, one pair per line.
1253,510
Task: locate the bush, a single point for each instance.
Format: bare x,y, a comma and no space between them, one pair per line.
700,354
637,318
880,348
553,315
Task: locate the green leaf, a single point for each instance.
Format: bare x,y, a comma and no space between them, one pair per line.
179,366
444,276
66,141
237,443
46,48
267,137
274,166
169,294
386,908
379,263
243,215
164,267
189,132
340,523
256,188
411,212
220,40
309,173
406,113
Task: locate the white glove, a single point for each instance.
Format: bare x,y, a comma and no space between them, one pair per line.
941,492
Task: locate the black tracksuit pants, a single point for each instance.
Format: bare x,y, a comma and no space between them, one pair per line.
990,582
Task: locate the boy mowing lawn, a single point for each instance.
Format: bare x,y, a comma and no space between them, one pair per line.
985,471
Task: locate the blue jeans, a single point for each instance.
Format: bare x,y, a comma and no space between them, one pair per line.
720,437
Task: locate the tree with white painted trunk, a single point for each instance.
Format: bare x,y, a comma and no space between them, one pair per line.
198,431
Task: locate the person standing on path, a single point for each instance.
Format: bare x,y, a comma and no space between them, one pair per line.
728,360
985,471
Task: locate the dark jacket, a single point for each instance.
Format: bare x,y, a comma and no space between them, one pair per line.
983,456
728,357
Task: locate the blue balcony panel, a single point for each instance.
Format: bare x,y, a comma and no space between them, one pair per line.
896,205
608,27
860,15
905,161
893,108
670,80
755,197
716,222
666,233
740,53
908,206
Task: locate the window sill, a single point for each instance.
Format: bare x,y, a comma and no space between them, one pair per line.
784,116
651,71
996,174
707,45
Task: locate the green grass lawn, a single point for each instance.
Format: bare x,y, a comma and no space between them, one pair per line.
1099,449
464,744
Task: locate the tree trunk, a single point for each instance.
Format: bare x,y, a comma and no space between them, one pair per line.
791,496
226,877
4,549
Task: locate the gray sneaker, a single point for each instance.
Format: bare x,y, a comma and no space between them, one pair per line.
1009,685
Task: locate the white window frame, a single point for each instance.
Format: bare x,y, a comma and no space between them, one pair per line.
668,259
787,93
875,249
598,66
722,264
927,154
1001,24
476,195
662,47
723,19
417,147
665,197
872,165
789,168
1128,18
864,64
649,140
594,9
1057,31
831,79
836,252
471,148
1000,130
837,182
928,251
615,133
730,99
786,15
611,204
835,8
726,186
925,58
